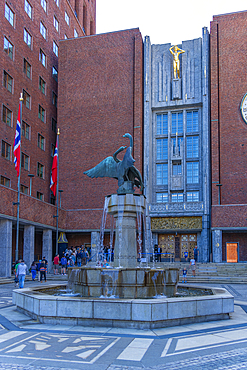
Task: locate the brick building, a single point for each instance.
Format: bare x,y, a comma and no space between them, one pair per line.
30,31
229,137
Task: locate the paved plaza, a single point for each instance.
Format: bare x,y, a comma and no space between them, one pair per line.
27,345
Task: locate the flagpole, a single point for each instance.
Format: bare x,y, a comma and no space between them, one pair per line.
19,185
58,133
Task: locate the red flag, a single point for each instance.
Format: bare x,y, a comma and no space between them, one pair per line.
17,143
53,184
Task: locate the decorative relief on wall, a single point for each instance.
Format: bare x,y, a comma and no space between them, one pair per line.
176,223
170,207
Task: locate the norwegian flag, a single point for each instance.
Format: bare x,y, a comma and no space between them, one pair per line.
17,143
53,184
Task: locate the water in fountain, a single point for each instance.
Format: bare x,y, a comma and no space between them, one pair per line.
148,235
159,275
139,228
100,252
73,278
120,233
109,283
111,237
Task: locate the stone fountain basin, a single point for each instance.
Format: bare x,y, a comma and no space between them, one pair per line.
125,313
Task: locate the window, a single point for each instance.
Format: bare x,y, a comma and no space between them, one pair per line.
40,170
27,38
54,99
177,123
41,113
54,73
52,150
9,15
54,125
192,172
8,48
177,197
5,181
162,149
179,143
7,116
75,33
42,57
52,199
65,37
24,161
26,99
25,130
57,2
162,174
55,48
6,150
193,196
176,169
55,23
41,142
8,81
192,146
24,189
40,196
67,18
162,197
43,30
27,68
28,9
43,4
42,85
162,124
192,121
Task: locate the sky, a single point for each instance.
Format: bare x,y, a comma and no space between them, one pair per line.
165,21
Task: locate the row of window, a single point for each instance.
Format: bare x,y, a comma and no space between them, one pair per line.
192,148
192,123
192,171
191,196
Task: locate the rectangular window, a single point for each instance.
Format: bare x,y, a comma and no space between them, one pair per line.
54,99
162,149
178,143
25,130
177,169
24,189
192,172
65,37
41,142
40,196
52,150
54,125
162,197
42,57
54,73
162,174
8,81
67,18
41,113
177,123
192,147
28,9
27,38
40,170
75,33
26,99
192,121
25,161
44,4
5,181
42,85
27,68
55,23
177,197
8,48
162,124
55,48
52,199
43,30
7,116
193,196
57,2
6,150
9,15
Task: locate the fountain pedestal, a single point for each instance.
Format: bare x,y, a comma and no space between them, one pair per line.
124,208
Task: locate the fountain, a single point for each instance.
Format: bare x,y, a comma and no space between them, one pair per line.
123,295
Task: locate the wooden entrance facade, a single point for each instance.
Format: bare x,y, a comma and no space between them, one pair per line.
174,246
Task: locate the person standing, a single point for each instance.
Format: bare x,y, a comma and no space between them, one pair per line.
196,253
63,265
43,269
56,263
79,258
33,270
193,267
21,273
184,275
159,253
38,269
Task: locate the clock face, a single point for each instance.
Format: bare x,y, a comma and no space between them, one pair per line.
243,108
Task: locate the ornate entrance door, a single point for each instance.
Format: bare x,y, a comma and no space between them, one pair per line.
177,248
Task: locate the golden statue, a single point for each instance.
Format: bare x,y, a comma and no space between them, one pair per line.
176,62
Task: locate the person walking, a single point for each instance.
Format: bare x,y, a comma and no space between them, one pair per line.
38,269
21,273
184,275
56,264
33,270
63,265
43,269
193,267
196,253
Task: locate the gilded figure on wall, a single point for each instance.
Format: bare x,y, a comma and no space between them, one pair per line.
176,51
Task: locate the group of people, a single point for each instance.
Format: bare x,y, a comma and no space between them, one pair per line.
21,270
